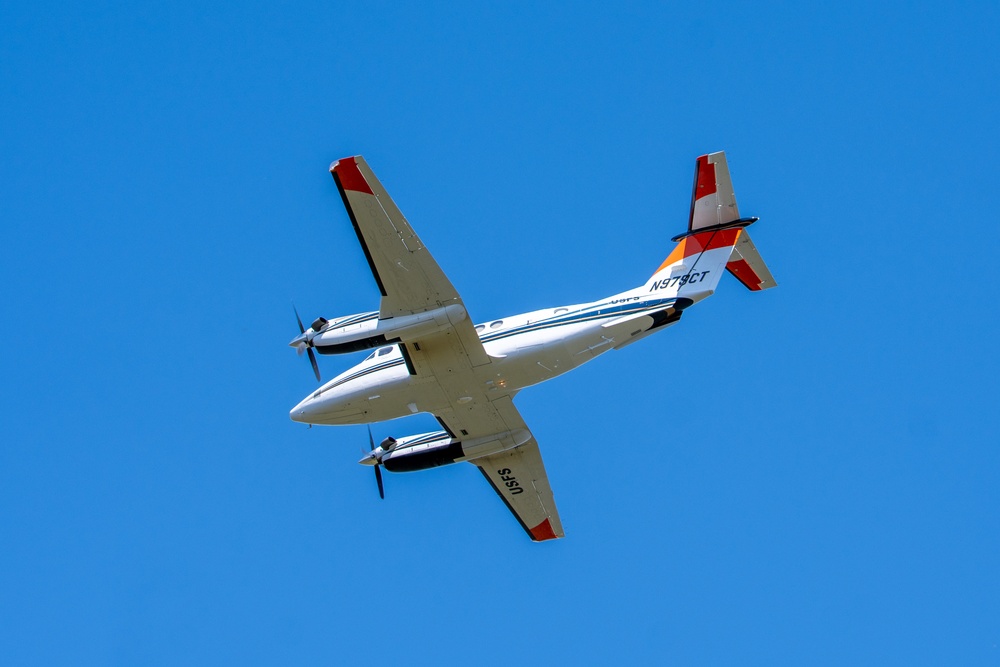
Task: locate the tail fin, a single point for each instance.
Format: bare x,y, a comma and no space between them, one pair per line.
713,202
693,268
716,239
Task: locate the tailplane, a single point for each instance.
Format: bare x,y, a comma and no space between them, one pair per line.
748,266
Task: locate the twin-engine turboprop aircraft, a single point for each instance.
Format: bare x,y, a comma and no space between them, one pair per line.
430,357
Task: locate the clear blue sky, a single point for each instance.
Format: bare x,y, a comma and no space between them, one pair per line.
803,476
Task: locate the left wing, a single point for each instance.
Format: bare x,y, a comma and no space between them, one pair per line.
517,475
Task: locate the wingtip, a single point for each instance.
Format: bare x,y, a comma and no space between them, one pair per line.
347,173
351,159
543,531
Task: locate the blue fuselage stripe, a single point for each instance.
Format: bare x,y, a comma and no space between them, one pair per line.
586,315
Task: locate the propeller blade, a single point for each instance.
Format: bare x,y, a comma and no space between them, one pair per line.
312,355
378,473
302,329
378,478
312,360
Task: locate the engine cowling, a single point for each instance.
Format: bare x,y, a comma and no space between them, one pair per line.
366,331
431,450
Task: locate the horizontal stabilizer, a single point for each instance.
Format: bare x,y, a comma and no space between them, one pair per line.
748,266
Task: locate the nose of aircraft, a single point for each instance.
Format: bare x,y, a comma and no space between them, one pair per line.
327,407
304,411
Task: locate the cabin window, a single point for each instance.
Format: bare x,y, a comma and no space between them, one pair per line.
384,351
496,325
560,311
480,328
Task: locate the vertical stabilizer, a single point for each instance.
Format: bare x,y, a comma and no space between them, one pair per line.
716,240
695,265
713,202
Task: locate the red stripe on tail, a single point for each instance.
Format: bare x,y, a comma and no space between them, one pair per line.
744,274
700,242
705,184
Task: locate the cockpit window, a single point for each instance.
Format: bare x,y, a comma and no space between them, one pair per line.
370,356
384,351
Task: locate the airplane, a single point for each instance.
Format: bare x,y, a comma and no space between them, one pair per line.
429,357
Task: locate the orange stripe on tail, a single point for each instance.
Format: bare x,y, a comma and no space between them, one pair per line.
696,243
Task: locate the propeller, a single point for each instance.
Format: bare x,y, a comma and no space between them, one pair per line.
306,345
378,473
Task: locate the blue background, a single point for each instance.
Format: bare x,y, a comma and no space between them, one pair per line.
802,476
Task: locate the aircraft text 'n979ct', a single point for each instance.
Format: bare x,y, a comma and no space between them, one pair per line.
430,357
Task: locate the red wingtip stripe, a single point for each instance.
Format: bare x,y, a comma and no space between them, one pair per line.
350,176
744,274
543,531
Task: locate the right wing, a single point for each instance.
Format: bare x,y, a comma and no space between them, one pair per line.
518,476
407,276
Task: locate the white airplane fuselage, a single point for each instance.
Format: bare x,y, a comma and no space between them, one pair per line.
524,350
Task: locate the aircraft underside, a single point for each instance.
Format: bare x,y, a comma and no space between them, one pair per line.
430,358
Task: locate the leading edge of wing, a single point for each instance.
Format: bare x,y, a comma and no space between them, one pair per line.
347,176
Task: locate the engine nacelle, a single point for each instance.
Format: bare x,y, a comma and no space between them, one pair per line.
430,450
365,331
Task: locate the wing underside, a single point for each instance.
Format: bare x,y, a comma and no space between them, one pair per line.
408,277
518,477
